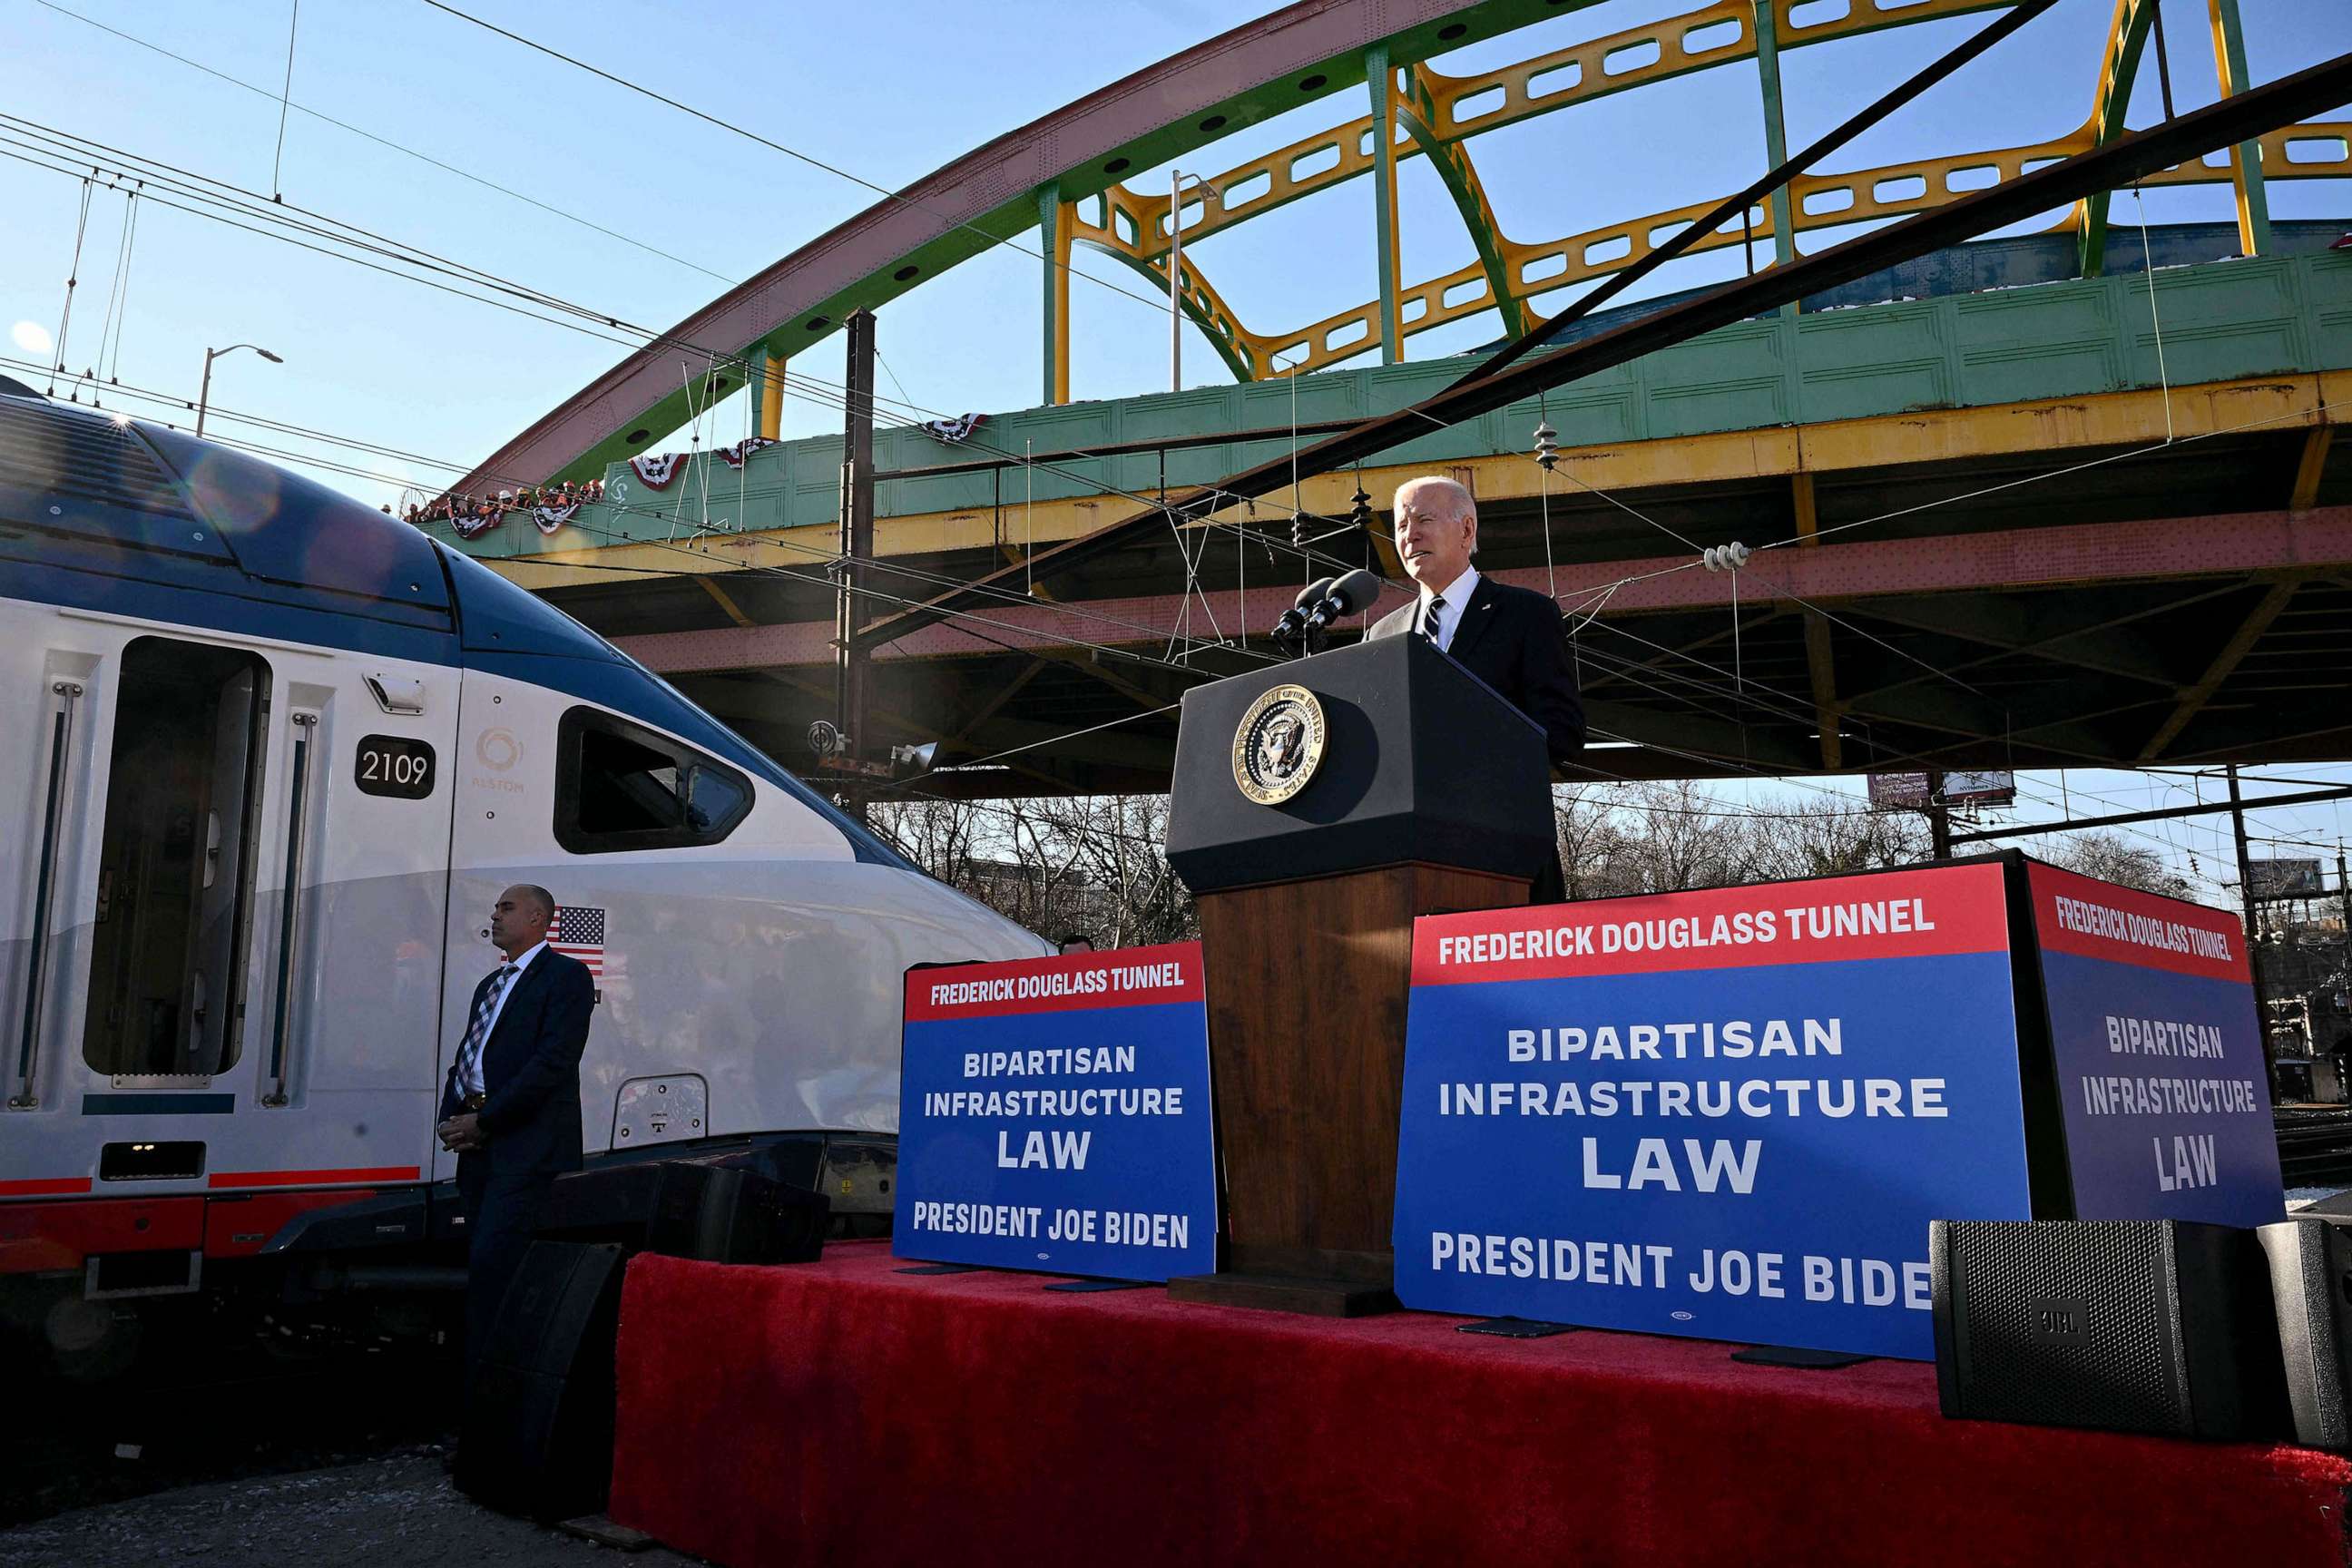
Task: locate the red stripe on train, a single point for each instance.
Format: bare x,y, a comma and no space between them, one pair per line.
311,1178
44,1186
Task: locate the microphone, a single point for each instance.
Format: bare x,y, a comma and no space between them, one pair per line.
1350,595
1294,619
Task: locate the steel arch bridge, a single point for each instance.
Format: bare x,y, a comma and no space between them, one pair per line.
2260,366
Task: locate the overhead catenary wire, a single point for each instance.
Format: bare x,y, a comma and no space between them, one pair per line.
1845,800
285,99
815,163
1858,523
390,249
386,142
623,509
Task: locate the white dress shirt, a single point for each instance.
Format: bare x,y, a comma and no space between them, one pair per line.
1456,595
473,1084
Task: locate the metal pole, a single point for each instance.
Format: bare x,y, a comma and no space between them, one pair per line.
204,396
857,543
1776,144
2253,911
1939,816
1175,280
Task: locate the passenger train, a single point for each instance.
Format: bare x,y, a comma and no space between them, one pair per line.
270,756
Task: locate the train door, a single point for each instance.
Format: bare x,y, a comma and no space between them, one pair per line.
346,1023
232,971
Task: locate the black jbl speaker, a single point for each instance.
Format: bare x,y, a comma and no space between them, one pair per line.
718,1213
2157,1326
537,1433
2311,1282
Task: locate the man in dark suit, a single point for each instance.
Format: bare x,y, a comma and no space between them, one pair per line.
1511,638
510,1106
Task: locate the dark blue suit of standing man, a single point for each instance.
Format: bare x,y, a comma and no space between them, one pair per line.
510,1106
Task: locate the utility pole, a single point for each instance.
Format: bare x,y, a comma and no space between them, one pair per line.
2343,900
1939,816
2246,897
857,546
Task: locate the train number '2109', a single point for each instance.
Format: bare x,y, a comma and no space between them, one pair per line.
393,765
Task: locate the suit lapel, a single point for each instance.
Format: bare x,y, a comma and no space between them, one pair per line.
507,1012
1477,619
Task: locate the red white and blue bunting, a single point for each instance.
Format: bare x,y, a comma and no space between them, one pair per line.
657,473
550,518
733,457
953,431
475,527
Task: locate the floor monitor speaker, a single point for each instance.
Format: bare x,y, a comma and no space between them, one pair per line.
2311,1282
2160,1326
537,1438
679,1208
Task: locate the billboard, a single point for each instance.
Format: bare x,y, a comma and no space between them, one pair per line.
1892,791
2277,879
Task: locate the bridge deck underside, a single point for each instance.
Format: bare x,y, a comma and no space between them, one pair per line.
2188,604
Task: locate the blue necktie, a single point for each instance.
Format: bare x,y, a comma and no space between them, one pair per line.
1430,614
477,1028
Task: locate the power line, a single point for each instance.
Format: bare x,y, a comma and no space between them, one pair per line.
385,142
246,204
815,162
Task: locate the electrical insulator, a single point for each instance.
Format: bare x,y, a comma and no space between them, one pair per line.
1547,444
1360,512
1298,531
1728,557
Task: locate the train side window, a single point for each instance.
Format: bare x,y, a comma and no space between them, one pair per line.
620,786
174,908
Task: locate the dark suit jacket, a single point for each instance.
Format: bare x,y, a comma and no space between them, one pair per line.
1514,641
530,1078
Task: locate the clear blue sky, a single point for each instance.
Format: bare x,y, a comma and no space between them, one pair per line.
887,92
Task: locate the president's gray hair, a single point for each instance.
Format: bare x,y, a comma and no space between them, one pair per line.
1455,496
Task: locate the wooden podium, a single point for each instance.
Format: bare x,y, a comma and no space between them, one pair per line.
1430,793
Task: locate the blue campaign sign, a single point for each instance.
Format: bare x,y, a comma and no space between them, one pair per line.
2165,1092
1053,1114
1728,1114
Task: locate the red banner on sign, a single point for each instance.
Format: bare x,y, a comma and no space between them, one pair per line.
1894,914
1123,977
2099,919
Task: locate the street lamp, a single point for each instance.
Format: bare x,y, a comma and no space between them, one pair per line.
205,396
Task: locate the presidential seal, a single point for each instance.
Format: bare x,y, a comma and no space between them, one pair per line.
1277,745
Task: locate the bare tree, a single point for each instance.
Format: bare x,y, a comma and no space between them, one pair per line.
2110,858
1093,864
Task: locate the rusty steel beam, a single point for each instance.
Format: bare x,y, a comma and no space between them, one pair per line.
2190,135
2224,663
942,207
2234,545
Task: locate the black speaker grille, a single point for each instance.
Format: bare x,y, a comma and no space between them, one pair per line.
2113,1366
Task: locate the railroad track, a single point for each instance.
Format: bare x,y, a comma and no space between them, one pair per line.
2314,1145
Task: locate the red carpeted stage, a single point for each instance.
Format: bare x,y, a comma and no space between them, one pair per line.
842,1412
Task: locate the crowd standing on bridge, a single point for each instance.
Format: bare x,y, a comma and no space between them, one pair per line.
481,512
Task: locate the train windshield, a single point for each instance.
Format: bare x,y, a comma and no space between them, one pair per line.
175,871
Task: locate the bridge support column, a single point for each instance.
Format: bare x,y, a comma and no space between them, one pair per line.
767,391
1383,83
1819,661
1776,138
1054,244
2246,157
